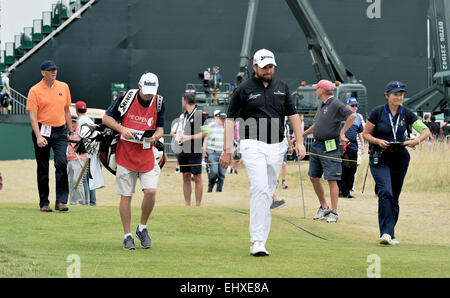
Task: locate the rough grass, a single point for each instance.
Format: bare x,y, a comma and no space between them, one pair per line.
213,240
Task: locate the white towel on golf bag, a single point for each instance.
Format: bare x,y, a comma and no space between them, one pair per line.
96,179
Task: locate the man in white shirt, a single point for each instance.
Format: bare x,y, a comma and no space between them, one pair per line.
5,92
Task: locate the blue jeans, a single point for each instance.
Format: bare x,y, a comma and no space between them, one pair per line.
90,195
216,173
389,175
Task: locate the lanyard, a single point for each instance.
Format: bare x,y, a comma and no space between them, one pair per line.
188,118
394,129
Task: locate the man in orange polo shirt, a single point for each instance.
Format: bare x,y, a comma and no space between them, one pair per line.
48,105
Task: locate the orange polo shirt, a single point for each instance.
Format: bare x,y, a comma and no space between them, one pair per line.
49,102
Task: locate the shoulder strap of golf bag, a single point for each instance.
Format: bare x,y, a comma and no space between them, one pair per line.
128,100
159,102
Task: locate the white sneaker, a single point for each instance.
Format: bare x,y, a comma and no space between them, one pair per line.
395,242
322,213
386,239
258,250
332,217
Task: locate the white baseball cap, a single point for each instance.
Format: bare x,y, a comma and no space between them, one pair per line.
149,83
217,112
264,57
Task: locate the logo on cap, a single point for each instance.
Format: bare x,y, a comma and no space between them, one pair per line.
262,55
395,86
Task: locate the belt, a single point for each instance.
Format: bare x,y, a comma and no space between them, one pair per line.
54,127
323,141
213,151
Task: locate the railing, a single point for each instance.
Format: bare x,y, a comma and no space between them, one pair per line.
18,103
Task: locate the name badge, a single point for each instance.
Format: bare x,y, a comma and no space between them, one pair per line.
147,144
46,130
330,145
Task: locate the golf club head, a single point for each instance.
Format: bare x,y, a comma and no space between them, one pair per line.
86,131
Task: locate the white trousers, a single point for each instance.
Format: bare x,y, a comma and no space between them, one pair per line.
263,163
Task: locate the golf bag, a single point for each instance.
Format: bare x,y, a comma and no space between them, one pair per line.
107,150
108,140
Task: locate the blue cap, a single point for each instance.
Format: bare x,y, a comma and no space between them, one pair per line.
352,101
48,65
395,86
6,70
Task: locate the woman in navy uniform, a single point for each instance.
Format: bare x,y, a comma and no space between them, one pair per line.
386,130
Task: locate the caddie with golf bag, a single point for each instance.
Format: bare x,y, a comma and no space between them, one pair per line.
138,117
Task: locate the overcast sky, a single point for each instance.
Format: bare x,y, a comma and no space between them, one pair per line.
17,14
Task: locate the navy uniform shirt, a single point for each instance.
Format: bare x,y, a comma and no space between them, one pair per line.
353,131
383,128
261,111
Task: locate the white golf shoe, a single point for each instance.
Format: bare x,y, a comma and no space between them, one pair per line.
258,250
386,239
322,213
395,242
332,217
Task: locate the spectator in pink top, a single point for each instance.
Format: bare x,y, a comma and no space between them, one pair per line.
74,167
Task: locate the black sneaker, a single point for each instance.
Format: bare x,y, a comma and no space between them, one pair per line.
277,204
128,243
349,196
143,236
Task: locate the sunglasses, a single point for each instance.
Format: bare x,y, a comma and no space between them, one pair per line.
354,106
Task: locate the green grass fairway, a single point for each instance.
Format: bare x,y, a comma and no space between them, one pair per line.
195,242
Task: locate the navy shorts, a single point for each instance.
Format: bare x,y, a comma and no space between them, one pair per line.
328,164
190,162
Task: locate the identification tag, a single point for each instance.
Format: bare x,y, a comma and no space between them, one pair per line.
147,144
330,145
46,130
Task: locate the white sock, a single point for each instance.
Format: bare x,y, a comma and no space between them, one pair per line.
142,227
126,235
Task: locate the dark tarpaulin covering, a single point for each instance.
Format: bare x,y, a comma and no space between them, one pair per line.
117,40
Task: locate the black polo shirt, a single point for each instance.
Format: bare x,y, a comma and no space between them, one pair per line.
261,111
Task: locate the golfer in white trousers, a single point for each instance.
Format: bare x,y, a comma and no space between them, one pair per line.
260,105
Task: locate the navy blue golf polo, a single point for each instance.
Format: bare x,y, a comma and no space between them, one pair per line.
384,128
